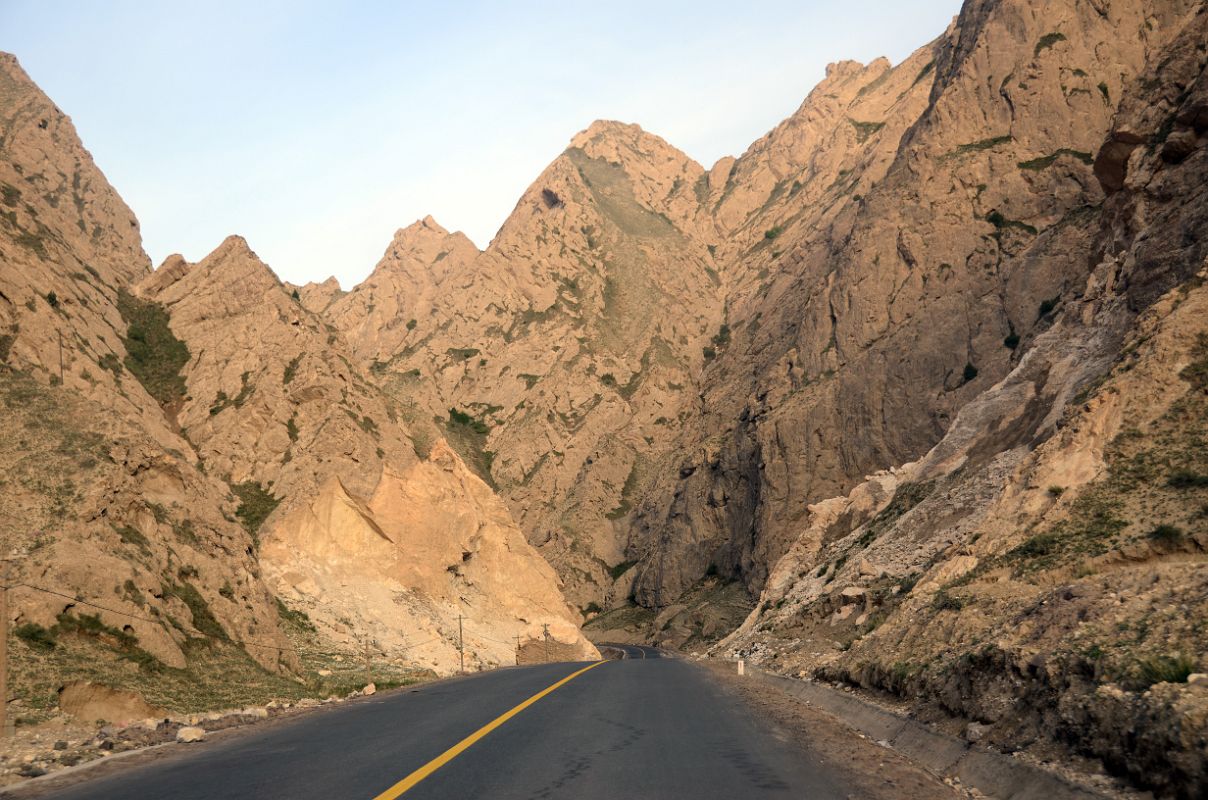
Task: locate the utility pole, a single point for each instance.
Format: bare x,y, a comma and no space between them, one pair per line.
546,634
4,650
461,645
60,356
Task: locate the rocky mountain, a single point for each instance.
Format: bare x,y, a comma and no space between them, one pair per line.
174,432
921,276
561,359
913,386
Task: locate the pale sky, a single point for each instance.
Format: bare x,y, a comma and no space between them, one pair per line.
316,129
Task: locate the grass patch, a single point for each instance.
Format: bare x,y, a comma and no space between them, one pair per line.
291,369
1044,162
627,490
617,570
154,355
978,146
1164,669
1187,479
255,506
865,130
35,636
1047,41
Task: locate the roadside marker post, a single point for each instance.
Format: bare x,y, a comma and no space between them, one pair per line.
742,665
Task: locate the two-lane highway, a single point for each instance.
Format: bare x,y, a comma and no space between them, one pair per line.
647,727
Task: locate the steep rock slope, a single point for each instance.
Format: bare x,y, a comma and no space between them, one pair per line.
927,269
103,509
561,359
365,536
1042,569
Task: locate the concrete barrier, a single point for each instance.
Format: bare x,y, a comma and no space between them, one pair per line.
993,774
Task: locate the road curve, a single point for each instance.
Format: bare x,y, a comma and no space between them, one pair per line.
649,727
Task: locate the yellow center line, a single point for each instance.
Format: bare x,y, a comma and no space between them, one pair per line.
409,782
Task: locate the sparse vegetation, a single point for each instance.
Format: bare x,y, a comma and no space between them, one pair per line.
1044,162
773,232
1187,479
154,355
1164,669
865,130
255,505
1166,534
1012,341
1047,41
291,369
35,636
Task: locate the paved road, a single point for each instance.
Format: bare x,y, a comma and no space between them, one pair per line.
643,727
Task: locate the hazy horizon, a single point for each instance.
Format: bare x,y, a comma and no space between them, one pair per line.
316,131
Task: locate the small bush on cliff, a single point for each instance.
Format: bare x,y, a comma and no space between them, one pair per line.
35,636
1164,669
255,505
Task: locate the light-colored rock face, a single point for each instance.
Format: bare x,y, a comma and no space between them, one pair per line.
274,399
1042,568
432,543
102,506
193,399
927,259
571,345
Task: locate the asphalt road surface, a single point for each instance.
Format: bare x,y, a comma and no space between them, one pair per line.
646,726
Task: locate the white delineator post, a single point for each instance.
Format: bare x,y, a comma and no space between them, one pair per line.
742,667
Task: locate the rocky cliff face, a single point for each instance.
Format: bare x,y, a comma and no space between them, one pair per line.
1041,570
123,547
560,360
944,222
170,431
372,539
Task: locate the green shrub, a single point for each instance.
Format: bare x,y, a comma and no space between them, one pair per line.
465,420
35,636
154,355
203,619
291,369
945,601
1186,479
1045,162
1165,669
1047,41
1040,545
618,570
773,232
411,324
255,505
294,617
1166,534
709,353
1196,373
291,428
52,299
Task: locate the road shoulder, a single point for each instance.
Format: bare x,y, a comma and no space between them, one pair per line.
873,772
